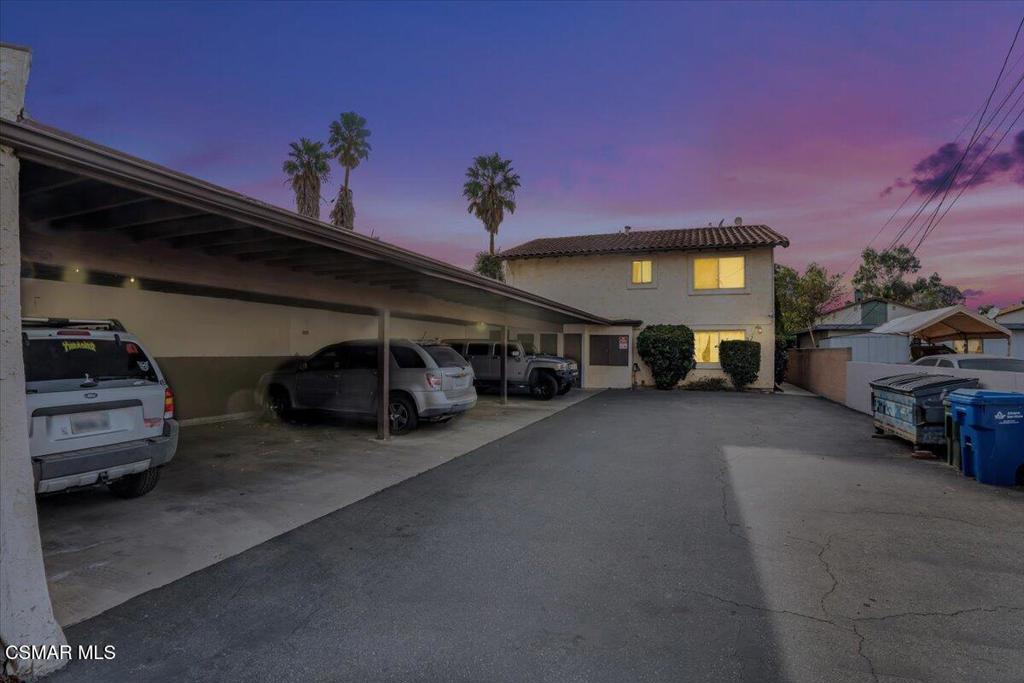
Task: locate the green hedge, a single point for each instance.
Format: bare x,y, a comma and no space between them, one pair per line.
741,360
668,351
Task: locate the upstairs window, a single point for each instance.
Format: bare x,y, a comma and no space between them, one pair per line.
643,273
719,272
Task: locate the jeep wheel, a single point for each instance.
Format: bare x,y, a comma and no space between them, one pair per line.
135,485
544,387
401,414
278,404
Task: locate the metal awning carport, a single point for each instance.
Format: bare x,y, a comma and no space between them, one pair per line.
73,191
945,324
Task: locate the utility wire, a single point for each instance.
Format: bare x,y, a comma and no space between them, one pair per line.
913,189
975,136
970,180
949,183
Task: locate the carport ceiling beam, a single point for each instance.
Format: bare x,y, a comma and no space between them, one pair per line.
180,227
223,237
42,189
93,198
130,216
285,257
267,244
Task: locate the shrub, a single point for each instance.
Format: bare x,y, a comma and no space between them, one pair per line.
782,346
668,351
741,360
707,384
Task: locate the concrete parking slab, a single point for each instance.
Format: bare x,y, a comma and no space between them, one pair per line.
648,536
236,484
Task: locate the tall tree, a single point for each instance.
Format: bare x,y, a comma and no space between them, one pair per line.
349,140
490,188
307,169
886,274
802,299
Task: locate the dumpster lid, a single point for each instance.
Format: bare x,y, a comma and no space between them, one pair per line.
920,380
986,397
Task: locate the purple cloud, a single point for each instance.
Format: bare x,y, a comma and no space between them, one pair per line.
974,167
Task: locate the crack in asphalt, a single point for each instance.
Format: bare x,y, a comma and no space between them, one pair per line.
723,480
828,570
957,613
861,640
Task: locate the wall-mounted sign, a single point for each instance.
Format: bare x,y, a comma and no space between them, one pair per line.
624,343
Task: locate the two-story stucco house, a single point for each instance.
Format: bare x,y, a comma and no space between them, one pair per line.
719,281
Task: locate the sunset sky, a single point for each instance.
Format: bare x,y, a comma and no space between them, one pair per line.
816,119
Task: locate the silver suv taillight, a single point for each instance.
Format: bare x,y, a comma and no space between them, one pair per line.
433,381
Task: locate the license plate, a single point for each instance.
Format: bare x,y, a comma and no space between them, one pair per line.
89,422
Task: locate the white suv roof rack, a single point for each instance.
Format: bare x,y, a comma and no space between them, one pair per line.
110,324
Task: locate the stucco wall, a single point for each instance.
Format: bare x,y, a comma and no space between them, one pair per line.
601,284
821,371
214,350
860,375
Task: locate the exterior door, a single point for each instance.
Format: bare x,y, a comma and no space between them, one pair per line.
574,350
316,386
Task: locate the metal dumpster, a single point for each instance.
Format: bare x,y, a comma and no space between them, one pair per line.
910,406
991,434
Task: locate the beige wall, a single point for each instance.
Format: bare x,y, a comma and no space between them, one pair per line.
214,350
821,371
601,284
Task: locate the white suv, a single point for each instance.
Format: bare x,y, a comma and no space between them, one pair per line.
99,409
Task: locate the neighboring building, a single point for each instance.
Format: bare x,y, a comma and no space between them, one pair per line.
1012,318
717,281
857,317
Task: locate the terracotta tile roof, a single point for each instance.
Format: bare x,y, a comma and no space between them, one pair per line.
725,237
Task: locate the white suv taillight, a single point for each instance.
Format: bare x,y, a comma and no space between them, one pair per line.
433,382
168,403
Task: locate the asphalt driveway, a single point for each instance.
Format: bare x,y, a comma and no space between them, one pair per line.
633,537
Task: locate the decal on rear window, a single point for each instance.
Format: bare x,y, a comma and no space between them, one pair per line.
79,346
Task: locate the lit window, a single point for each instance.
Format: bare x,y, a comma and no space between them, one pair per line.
706,343
642,273
725,272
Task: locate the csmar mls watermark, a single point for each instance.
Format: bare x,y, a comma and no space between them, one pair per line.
47,652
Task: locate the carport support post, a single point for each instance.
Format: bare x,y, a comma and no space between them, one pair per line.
26,615
504,365
383,374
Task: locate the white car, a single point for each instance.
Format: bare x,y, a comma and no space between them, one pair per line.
972,361
99,409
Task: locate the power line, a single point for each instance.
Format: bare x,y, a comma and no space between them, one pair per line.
926,227
913,190
950,178
970,180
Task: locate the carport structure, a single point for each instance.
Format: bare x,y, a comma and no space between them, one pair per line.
86,226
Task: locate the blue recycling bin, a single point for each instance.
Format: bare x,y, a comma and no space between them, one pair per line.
991,434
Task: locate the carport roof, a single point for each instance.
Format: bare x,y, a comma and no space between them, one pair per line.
945,324
70,184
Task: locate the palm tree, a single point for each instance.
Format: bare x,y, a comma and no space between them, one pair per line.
349,145
307,168
491,185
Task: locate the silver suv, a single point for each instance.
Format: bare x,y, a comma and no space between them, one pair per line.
99,409
428,382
